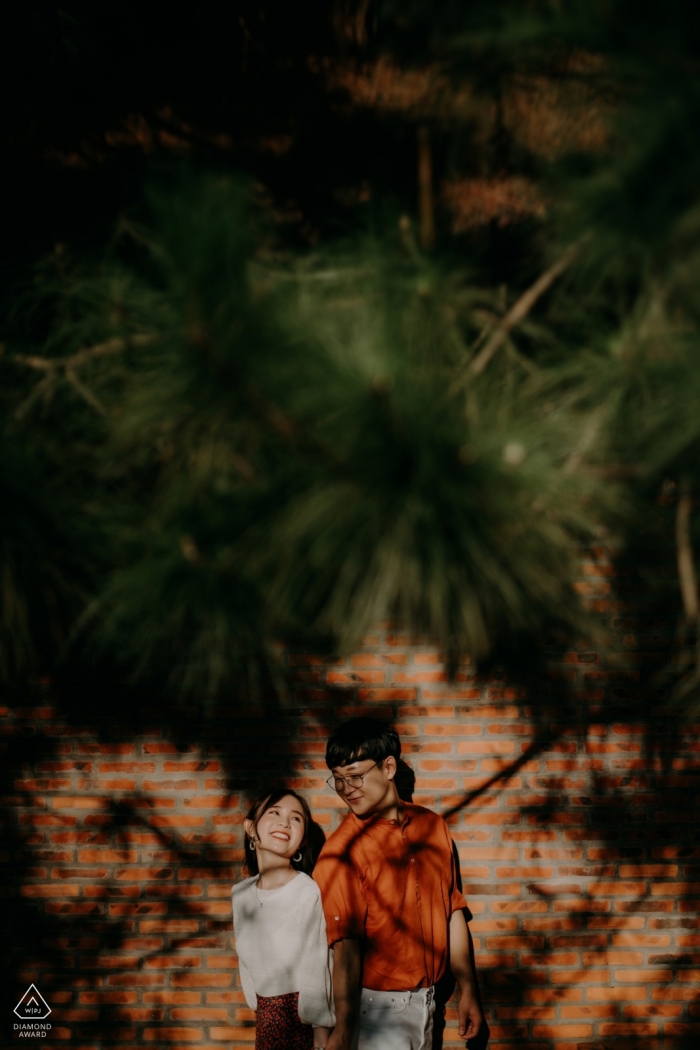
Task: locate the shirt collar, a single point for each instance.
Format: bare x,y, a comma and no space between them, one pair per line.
377,822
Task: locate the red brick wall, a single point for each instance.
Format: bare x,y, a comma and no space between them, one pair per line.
582,866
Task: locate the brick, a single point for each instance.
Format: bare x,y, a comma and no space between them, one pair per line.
107,856
102,748
647,870
570,1031
176,821
221,962
199,1013
62,908
353,677
112,962
178,962
646,940
525,1013
643,976
143,874
79,802
172,998
654,1010
614,889
169,925
64,890
242,1036
675,889
579,976
166,748
684,994
585,1011
172,1035
549,995
200,980
486,747
107,997
629,1029
613,957
615,994
210,765
135,980
136,1014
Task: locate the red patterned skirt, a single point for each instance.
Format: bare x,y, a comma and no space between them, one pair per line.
277,1024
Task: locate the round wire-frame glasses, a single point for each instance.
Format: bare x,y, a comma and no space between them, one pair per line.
353,781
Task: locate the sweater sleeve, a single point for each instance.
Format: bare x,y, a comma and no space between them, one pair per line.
315,965
245,975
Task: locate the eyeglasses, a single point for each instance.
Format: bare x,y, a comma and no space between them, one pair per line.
353,781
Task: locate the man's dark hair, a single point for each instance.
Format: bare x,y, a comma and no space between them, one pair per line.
362,738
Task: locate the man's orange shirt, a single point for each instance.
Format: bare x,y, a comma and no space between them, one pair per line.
394,886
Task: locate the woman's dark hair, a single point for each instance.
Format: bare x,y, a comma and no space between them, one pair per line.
313,835
362,738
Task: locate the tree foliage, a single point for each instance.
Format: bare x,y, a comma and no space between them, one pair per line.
232,440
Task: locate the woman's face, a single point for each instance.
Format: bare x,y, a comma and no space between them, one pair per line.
280,829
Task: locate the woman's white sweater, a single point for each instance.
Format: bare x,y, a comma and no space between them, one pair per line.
282,947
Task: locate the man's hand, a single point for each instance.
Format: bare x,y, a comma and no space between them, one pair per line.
321,1038
468,1010
347,975
469,1014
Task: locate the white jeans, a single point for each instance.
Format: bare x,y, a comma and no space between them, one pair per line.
395,1020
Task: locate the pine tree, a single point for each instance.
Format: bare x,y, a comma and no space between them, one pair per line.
264,443
307,446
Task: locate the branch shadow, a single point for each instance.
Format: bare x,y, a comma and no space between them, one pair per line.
129,885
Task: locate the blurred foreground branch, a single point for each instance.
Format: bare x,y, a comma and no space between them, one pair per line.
522,307
686,567
51,366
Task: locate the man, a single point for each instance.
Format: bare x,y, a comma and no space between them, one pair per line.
395,916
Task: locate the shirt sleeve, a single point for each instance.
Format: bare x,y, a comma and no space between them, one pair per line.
344,903
315,968
458,902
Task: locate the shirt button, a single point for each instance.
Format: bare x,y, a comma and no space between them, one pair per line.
337,918
413,860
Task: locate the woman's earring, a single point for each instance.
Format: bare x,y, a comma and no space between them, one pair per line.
252,844
297,857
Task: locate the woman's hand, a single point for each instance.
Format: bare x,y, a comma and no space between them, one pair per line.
339,1039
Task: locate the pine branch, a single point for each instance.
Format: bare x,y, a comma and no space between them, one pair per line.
686,566
85,392
425,189
110,346
68,365
522,307
41,388
587,439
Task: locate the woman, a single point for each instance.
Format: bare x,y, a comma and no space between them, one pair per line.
280,930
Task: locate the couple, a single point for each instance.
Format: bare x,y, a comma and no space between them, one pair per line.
384,897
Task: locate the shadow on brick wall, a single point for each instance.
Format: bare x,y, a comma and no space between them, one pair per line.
122,835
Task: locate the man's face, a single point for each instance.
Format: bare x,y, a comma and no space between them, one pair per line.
367,787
